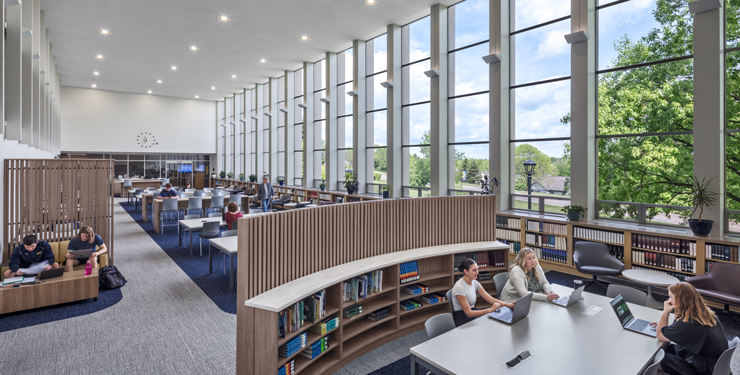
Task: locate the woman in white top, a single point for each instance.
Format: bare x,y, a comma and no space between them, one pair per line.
525,276
464,295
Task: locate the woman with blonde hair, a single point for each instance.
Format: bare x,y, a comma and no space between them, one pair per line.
86,239
525,276
698,334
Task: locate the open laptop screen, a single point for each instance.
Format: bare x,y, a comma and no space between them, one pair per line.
623,312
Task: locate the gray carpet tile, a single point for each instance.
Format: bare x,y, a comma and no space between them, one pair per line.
163,325
383,355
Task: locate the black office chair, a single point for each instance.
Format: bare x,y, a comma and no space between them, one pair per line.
211,229
594,259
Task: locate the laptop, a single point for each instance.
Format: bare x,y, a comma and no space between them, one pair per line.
507,315
567,301
50,274
628,321
78,254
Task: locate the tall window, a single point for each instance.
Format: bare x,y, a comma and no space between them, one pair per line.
281,126
468,131
732,113
319,123
416,104
376,120
265,131
229,136
253,134
221,135
298,128
540,103
345,71
645,110
238,131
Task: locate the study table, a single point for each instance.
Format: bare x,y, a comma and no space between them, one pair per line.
195,225
70,287
182,204
225,245
136,183
561,341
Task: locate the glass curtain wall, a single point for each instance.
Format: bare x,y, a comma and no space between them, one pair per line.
265,131
345,122
319,123
732,113
229,136
237,131
376,119
281,126
299,145
221,134
253,135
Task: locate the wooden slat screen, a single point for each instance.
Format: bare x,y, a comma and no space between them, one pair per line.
53,198
276,249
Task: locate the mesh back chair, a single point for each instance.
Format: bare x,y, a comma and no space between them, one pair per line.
198,193
188,217
449,300
439,324
211,229
500,280
217,203
189,190
653,368
207,193
215,214
594,259
219,193
127,185
236,198
228,233
207,189
169,206
630,295
137,197
195,204
722,367
235,225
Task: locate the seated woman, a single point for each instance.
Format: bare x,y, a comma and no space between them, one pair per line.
233,214
698,334
464,295
525,276
86,239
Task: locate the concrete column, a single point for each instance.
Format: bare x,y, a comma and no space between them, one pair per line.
273,123
397,177
13,70
259,137
47,90
332,164
43,92
308,134
27,136
289,115
583,107
439,176
362,158
499,150
37,84
709,109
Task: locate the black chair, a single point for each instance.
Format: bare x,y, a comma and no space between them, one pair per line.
286,198
720,285
594,259
211,229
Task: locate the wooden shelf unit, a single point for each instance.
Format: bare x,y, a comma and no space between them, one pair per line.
299,193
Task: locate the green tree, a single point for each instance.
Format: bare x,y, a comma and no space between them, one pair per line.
420,167
464,166
525,151
473,172
380,159
732,108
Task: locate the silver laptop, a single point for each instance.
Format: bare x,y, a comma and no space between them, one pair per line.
567,301
507,315
628,321
78,254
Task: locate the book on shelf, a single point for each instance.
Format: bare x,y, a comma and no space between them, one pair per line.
410,304
409,272
480,258
315,306
294,345
483,276
664,244
560,256
615,250
352,311
416,289
291,319
433,298
316,348
514,246
362,286
599,235
288,368
721,252
378,314
545,227
508,222
672,262
325,326
507,234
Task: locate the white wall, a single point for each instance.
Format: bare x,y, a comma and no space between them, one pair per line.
108,121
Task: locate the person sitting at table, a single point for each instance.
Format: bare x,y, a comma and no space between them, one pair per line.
31,251
464,295
232,214
167,192
698,334
187,186
525,276
86,239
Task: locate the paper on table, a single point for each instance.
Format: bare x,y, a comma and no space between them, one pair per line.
18,280
35,268
592,310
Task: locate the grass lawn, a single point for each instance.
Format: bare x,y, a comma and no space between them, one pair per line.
536,206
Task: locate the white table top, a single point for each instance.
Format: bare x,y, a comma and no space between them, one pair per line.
561,340
293,204
649,277
226,244
198,223
277,299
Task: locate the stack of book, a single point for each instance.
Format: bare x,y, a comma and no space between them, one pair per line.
409,272
668,245
664,261
560,256
599,235
722,252
316,348
378,315
363,286
483,276
416,289
507,234
325,326
288,368
481,258
410,304
315,306
433,298
353,310
293,346
499,259
291,319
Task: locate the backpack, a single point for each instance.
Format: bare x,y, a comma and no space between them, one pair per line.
111,278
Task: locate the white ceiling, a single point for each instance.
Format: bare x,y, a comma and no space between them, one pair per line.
147,37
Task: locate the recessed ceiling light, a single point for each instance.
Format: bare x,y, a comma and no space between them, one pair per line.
173,67
96,73
263,60
99,56
94,86
159,81
193,48
213,87
149,92
371,2
223,18
233,76
197,96
104,32
304,37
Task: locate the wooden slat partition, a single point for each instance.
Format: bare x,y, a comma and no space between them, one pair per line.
53,198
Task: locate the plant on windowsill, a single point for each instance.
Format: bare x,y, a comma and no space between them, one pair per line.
230,175
281,181
241,176
350,183
223,174
322,186
386,191
702,198
252,177
574,212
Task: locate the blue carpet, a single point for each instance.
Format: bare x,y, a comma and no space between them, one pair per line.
215,285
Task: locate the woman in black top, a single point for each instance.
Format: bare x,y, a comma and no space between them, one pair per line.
698,334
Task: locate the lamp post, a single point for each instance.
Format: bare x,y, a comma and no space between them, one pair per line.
529,166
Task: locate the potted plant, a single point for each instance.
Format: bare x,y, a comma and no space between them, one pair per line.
574,212
241,176
386,191
281,181
322,186
223,174
701,198
350,183
252,177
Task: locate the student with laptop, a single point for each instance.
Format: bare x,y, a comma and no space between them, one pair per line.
82,249
167,192
464,295
526,276
31,251
698,334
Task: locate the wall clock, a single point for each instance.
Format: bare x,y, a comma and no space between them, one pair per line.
146,140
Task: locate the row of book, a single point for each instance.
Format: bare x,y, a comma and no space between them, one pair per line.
508,222
416,289
598,235
287,369
507,234
409,272
325,326
352,311
431,299
547,240
481,258
615,250
363,286
664,261
378,315
483,276
543,227
316,348
310,309
668,245
560,256
514,246
722,252
410,304
679,276
294,345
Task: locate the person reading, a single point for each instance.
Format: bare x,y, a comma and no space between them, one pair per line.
526,276
86,239
31,251
167,192
698,335
464,294
232,214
